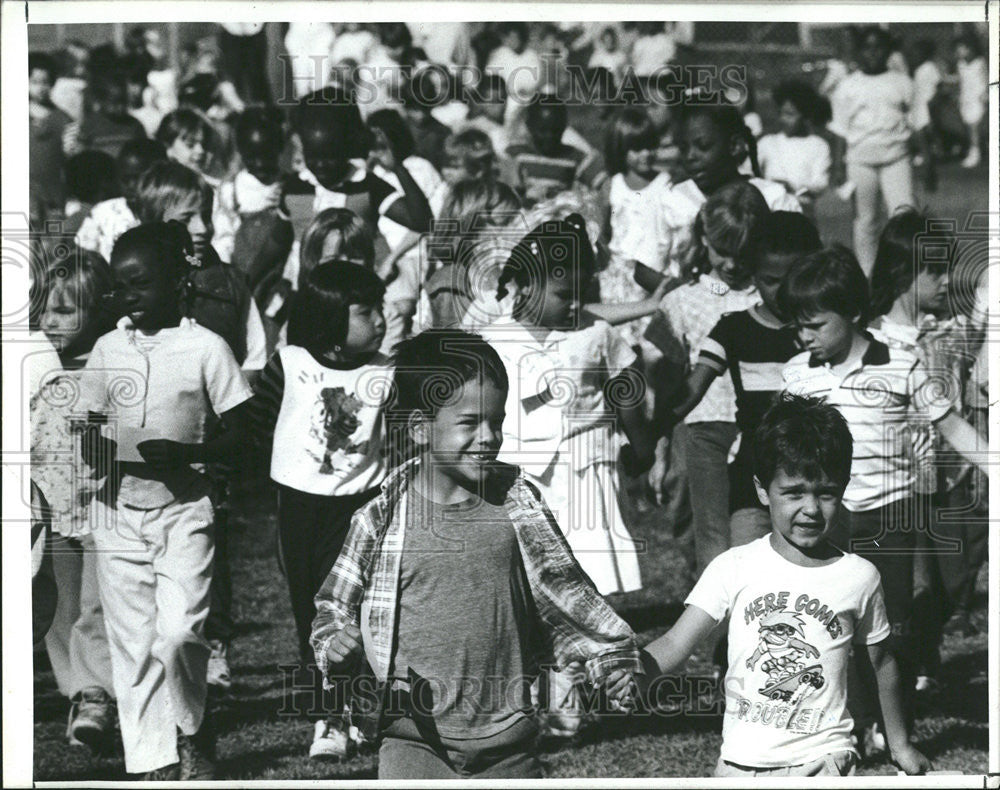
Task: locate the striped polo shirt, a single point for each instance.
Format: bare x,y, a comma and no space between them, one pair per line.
886,395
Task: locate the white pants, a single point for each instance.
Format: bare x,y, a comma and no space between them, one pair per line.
892,183
77,643
154,570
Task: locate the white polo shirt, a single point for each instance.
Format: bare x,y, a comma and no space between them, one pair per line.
886,396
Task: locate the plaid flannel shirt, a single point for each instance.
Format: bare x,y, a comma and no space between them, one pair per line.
575,624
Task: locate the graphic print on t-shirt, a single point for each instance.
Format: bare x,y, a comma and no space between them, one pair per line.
786,666
786,657
334,421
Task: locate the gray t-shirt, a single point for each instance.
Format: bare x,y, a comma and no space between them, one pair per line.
464,616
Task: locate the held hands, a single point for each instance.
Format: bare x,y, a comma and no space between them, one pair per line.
910,760
345,646
625,690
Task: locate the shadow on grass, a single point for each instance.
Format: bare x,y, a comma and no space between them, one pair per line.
256,764
957,697
959,735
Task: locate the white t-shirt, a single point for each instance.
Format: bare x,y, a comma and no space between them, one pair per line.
637,228
328,439
926,79
651,52
786,693
801,162
520,70
615,62
168,385
872,113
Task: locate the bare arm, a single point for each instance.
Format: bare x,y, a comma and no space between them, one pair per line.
891,699
616,314
631,413
225,446
963,438
669,653
412,210
695,387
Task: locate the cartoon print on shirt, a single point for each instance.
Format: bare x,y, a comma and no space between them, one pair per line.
786,652
334,421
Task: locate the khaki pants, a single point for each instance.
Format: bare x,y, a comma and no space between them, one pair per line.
77,643
154,569
891,183
835,764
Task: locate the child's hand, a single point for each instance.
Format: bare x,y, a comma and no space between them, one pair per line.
910,760
163,453
345,646
274,196
621,689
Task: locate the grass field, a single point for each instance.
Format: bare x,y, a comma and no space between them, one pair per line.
261,737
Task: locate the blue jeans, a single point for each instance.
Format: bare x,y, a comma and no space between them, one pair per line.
405,753
707,455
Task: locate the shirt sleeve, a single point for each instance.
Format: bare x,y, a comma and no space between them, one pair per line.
839,101
382,194
873,622
266,404
931,395
578,623
225,221
88,237
713,592
338,602
713,351
256,340
618,353
820,167
93,382
224,382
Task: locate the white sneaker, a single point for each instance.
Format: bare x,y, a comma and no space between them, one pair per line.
329,742
972,159
218,666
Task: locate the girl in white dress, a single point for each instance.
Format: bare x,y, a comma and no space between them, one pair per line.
572,382
633,202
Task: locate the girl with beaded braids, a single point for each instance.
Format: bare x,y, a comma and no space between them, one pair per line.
573,380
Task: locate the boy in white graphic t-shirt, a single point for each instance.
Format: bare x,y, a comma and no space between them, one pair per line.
796,605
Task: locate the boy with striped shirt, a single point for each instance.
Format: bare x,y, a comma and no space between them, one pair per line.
753,346
885,394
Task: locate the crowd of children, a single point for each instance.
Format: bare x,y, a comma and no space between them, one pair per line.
468,346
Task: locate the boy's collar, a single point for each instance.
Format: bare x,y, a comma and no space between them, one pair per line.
877,353
126,325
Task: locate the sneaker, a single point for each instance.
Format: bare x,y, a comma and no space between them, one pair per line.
91,719
197,753
872,742
972,159
925,684
329,742
168,773
218,666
